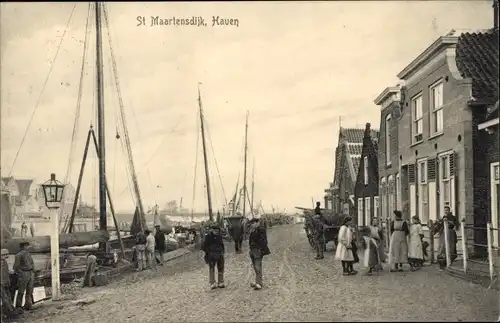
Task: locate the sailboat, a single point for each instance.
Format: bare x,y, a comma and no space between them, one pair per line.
67,239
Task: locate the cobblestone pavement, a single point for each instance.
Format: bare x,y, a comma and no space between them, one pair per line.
297,288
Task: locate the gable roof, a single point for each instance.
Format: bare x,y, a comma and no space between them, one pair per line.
349,150
477,58
23,185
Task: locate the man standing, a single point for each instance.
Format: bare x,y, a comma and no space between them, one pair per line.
452,237
24,268
257,241
213,246
319,238
7,306
150,249
160,242
236,232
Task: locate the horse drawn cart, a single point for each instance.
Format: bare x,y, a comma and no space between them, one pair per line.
331,230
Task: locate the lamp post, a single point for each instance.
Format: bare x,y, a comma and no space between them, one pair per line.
53,193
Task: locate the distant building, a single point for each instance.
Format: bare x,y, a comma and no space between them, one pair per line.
347,157
366,192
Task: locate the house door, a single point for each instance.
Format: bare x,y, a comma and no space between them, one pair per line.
495,201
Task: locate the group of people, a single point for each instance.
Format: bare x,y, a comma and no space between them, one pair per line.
149,248
406,244
213,247
20,279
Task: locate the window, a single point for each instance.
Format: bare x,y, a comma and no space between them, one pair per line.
423,192
418,121
436,105
367,211
388,140
398,192
391,201
360,211
445,181
376,207
383,201
365,164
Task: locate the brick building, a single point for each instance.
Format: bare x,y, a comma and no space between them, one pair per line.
444,95
388,151
366,192
347,156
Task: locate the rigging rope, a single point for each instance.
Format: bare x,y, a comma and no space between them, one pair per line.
215,159
75,125
196,160
42,91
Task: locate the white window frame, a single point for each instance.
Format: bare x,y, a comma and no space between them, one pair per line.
398,192
388,140
390,194
360,211
365,169
423,191
495,212
436,107
445,178
383,201
376,207
417,116
368,210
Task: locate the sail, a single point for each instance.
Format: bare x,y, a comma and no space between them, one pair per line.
136,225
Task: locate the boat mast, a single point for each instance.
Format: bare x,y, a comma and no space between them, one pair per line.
245,168
103,225
253,187
207,175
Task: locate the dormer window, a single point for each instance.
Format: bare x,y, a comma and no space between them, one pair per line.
365,173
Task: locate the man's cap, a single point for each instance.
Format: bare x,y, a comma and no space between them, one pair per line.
24,243
5,252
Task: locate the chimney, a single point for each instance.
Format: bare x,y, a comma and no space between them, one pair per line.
495,14
367,131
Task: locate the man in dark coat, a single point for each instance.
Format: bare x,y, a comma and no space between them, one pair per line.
213,246
160,244
319,223
257,242
24,267
237,231
7,305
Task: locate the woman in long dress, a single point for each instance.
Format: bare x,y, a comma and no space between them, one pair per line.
377,233
398,245
371,259
416,252
344,248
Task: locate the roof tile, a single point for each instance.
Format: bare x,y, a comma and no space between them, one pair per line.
477,58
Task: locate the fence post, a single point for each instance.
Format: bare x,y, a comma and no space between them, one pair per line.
490,249
431,241
464,244
446,242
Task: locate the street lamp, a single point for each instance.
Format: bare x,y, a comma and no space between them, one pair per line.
53,194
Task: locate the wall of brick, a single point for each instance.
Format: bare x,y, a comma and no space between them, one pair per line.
370,190
383,169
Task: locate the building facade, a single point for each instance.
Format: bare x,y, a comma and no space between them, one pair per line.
445,92
347,157
390,190
366,192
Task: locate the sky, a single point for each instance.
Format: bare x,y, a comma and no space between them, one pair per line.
296,67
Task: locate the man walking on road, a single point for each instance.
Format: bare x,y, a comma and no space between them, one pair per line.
257,242
24,268
319,238
160,242
213,246
150,249
236,232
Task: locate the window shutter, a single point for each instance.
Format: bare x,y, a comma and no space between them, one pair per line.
431,169
411,174
452,164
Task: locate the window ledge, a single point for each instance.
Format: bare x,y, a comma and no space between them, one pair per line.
389,165
437,134
416,143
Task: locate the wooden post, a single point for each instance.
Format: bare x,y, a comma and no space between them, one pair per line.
464,245
54,255
446,242
431,241
489,235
